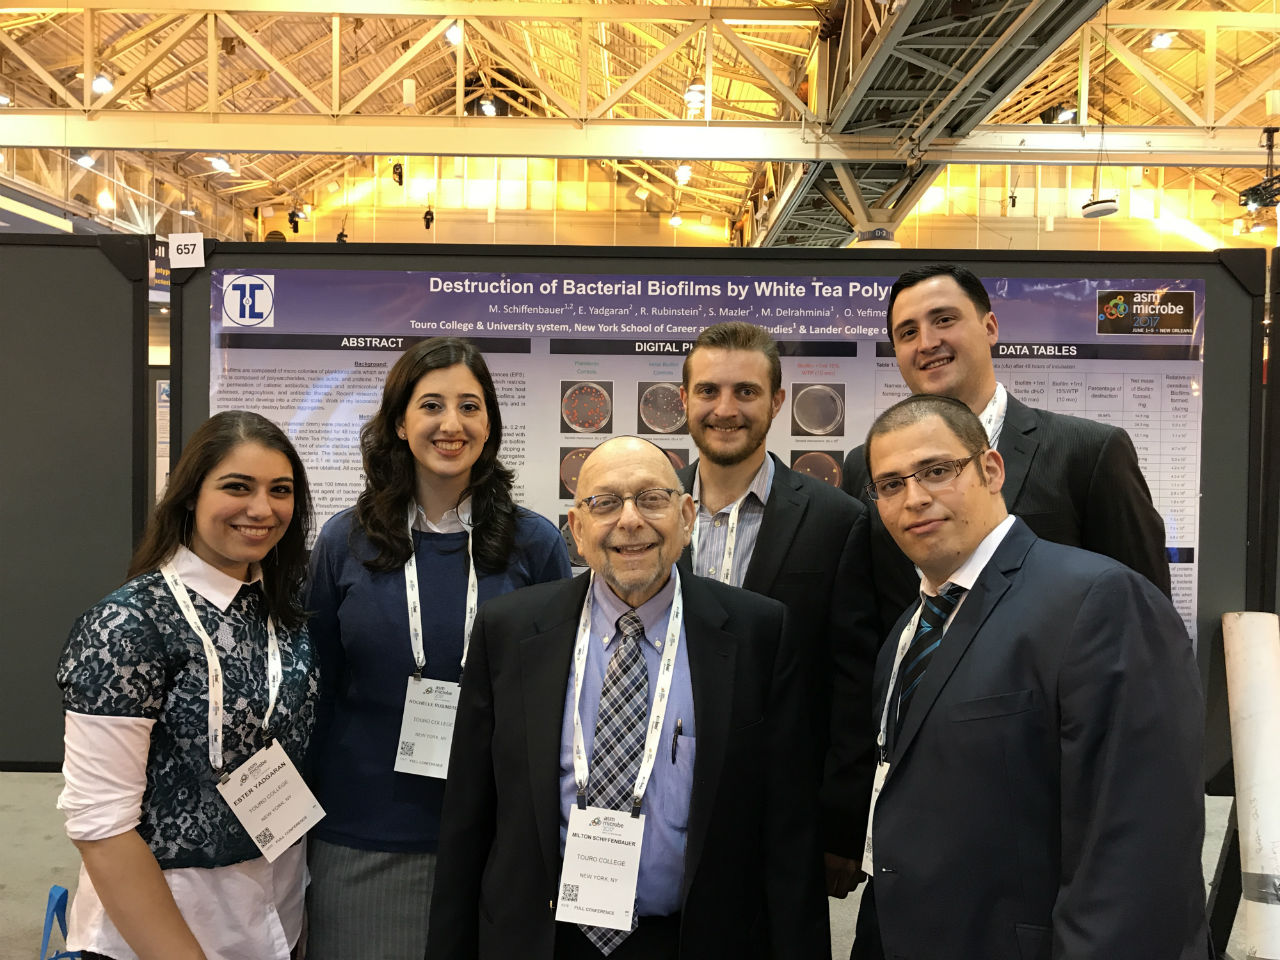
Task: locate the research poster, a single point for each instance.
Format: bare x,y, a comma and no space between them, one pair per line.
580,357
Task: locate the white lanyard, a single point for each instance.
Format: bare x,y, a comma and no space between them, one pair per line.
666,674
275,672
992,415
904,642
415,603
730,541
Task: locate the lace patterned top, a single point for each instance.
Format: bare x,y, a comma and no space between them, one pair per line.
134,655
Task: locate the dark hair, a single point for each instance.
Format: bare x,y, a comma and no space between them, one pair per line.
739,335
960,420
285,566
389,467
966,278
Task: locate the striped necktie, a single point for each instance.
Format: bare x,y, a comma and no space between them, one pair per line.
933,618
619,742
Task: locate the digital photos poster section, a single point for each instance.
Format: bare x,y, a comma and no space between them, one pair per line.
579,357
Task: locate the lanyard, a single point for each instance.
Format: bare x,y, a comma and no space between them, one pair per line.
992,415
730,541
414,600
904,642
275,671
666,674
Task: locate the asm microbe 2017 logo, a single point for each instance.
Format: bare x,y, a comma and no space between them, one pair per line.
1146,312
248,300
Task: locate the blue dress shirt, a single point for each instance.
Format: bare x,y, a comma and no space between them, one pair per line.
665,804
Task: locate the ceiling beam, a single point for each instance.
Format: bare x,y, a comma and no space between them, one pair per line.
433,9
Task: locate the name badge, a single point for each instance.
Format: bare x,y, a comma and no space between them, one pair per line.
271,801
868,858
601,868
426,728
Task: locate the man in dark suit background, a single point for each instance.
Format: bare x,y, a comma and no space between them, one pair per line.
1040,717
780,533
724,866
1072,480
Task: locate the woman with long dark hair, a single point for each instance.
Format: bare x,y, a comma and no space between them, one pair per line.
395,584
195,667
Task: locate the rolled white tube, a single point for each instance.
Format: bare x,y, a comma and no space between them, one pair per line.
1252,644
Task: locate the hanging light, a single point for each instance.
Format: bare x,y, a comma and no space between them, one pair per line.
5,99
1162,41
105,200
454,33
488,107
102,84
219,164
1098,206
684,173
695,96
675,220
84,158
187,211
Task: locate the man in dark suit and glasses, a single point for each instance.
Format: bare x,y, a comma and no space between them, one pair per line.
1039,723
563,684
1071,480
788,536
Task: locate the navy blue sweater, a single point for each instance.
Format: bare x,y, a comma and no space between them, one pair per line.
360,628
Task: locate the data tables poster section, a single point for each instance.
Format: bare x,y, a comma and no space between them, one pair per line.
578,358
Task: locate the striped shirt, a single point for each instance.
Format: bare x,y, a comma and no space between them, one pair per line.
711,532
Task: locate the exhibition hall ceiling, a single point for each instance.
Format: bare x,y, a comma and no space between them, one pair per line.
790,124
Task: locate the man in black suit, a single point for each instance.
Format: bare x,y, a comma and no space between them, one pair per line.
780,533
712,755
1040,722
1071,480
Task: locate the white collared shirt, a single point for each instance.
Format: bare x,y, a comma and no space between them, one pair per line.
992,415
968,572
251,910
457,520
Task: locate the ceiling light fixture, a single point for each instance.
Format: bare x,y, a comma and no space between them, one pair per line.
187,211
428,218
454,33
105,200
675,220
397,173
1162,41
219,164
1265,193
84,158
293,220
695,97
488,107
5,99
1098,206
1065,114
333,186
102,84
684,173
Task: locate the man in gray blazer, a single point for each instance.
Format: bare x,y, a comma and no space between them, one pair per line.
1039,716
1071,480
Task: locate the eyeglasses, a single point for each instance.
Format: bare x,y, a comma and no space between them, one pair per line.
933,477
653,503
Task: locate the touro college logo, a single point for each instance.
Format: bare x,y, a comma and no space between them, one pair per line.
248,300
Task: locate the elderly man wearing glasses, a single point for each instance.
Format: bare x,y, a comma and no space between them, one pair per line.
626,778
1039,723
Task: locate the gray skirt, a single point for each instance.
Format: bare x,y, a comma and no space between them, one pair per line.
367,905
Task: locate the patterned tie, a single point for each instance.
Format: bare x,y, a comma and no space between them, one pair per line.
619,742
933,617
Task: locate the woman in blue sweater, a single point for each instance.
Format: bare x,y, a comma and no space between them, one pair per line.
395,585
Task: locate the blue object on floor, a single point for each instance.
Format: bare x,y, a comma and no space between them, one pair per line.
56,910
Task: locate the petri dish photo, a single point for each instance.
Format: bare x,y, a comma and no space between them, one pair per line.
820,466
660,407
586,407
570,463
679,458
818,409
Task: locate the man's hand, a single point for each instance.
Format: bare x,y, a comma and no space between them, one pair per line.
842,875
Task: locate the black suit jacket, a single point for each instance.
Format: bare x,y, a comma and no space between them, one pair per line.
1044,796
813,555
1072,480
748,884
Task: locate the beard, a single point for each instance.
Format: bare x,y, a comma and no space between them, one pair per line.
746,442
